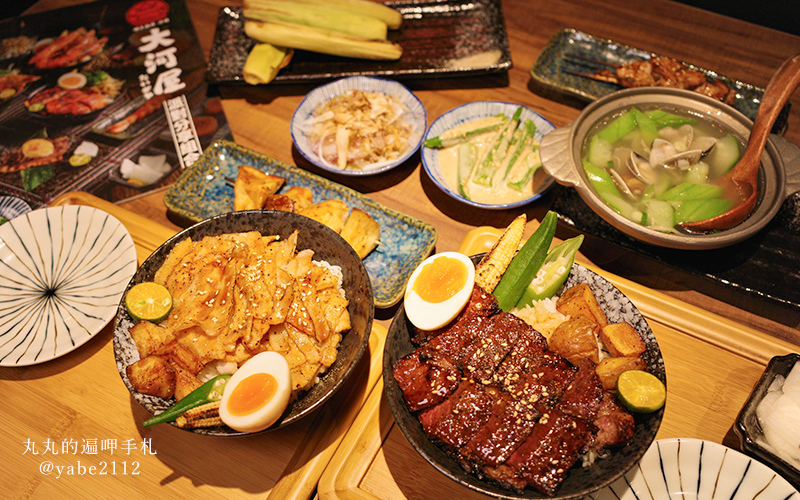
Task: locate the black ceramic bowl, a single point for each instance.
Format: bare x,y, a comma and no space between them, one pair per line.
579,481
327,246
748,429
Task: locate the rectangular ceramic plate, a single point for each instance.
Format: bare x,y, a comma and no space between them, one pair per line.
203,192
548,71
439,38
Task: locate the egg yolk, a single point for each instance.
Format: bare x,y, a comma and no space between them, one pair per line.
252,393
440,279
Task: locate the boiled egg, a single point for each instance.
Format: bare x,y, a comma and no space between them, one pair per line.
438,289
257,394
72,80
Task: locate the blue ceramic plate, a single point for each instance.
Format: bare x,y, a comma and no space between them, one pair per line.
202,192
696,469
11,207
415,116
548,71
473,111
62,274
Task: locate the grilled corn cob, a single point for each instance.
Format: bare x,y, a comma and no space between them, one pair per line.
317,16
393,18
206,415
298,36
492,266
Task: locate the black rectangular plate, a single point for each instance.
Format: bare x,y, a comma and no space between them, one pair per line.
439,38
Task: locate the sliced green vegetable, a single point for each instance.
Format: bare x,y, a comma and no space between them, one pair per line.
665,119
467,153
495,151
527,133
646,125
617,129
525,264
606,188
600,152
724,156
524,170
695,210
690,191
206,393
553,273
466,132
697,173
658,213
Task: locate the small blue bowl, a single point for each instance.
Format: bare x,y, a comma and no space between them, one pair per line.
416,116
474,111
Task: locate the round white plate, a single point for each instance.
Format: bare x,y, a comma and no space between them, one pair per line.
62,273
694,469
474,111
416,116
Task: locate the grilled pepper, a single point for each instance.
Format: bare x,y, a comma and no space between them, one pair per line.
553,273
525,264
206,393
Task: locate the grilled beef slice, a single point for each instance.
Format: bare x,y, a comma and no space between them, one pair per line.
480,305
615,425
455,421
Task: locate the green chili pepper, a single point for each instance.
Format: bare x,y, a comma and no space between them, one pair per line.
206,393
553,273
525,264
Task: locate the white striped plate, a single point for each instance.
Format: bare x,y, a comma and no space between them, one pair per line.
62,273
694,469
11,206
415,116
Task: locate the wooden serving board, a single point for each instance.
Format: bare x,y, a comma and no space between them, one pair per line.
712,364
81,396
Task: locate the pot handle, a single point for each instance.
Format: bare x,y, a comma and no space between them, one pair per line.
790,154
554,152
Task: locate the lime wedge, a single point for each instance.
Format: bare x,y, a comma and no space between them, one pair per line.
640,391
148,301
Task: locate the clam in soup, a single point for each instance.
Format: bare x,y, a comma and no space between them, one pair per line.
658,168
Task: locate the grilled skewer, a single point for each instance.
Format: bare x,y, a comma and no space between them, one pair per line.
657,71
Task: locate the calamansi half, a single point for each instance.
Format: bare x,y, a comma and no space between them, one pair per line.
641,391
148,301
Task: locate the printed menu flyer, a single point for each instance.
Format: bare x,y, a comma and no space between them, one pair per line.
108,98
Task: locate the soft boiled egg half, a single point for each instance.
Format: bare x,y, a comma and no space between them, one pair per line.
257,394
438,289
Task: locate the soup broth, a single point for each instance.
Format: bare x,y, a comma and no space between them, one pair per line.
658,166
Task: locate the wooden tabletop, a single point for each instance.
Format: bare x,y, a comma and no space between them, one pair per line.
259,119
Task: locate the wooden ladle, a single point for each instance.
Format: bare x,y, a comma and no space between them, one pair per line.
742,180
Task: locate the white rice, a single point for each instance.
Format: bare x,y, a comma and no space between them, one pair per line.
542,315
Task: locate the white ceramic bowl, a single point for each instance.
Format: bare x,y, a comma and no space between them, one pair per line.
416,116
474,111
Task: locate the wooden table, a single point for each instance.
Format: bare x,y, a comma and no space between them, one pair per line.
80,396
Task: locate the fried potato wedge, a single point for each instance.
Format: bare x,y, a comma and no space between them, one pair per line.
331,213
580,301
252,187
361,231
301,196
152,375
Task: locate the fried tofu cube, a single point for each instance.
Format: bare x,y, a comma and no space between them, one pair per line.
150,338
621,339
252,187
361,231
152,375
580,301
609,369
576,339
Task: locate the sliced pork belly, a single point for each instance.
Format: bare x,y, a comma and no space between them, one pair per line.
551,450
425,378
